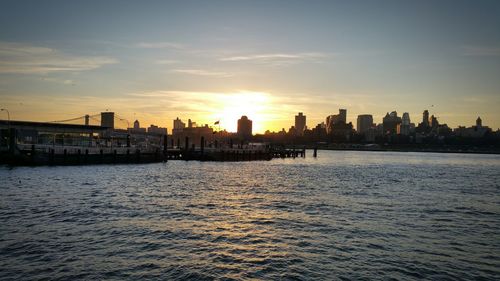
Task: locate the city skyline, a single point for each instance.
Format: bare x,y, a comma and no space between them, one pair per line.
300,124
266,60
250,139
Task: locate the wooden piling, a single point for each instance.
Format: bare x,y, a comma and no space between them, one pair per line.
202,146
12,140
51,158
165,148
32,154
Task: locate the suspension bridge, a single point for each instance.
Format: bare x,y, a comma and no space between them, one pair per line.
93,139
97,120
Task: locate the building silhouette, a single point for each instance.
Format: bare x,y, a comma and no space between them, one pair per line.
137,128
244,127
425,118
405,124
300,124
108,119
434,122
156,130
336,119
337,127
391,123
424,127
178,126
477,131
191,124
364,123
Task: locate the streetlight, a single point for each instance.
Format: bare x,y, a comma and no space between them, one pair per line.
8,114
8,122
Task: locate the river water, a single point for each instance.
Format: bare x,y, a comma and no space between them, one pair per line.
345,215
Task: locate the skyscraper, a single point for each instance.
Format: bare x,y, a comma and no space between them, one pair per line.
108,119
300,123
434,122
391,123
244,127
405,124
425,126
425,118
364,123
336,119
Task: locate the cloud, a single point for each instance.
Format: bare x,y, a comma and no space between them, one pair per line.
202,72
207,107
27,59
278,58
59,81
480,51
160,45
166,61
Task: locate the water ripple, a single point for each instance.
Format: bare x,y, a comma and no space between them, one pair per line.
342,216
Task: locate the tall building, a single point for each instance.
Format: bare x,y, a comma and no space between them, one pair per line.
479,122
424,127
425,118
336,119
364,123
337,127
343,115
178,126
434,122
300,123
136,124
405,124
108,119
244,127
391,123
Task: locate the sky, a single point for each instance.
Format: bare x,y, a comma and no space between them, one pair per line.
217,60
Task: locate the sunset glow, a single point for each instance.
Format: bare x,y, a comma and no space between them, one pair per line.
266,61
254,105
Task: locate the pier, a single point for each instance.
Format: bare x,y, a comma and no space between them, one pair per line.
35,155
42,143
51,154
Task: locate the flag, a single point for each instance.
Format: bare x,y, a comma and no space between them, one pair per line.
216,122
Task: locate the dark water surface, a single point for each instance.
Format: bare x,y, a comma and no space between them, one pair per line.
345,215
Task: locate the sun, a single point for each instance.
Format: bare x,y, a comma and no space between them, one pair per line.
252,104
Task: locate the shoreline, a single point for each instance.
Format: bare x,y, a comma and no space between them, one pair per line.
403,150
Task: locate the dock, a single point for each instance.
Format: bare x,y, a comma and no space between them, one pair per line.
55,149
36,155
